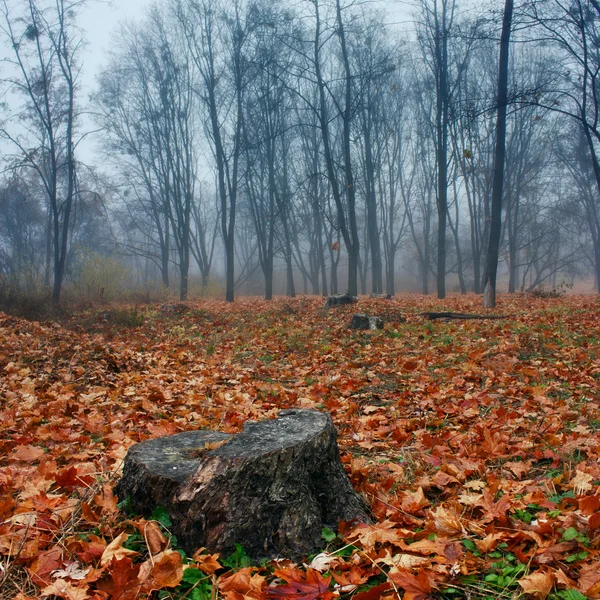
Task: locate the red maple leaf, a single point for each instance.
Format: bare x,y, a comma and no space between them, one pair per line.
416,587
305,586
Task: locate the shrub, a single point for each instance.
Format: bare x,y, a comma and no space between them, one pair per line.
34,304
558,292
151,292
126,317
99,278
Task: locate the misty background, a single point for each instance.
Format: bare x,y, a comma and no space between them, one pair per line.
206,147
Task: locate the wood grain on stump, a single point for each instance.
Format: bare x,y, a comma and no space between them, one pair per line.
271,488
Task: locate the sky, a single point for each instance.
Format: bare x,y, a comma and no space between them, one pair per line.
99,21
101,18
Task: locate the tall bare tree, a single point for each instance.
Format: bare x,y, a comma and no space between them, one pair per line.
496,217
44,68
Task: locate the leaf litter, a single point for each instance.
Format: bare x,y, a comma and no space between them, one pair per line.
476,444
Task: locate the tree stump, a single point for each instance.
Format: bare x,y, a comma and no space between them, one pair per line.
340,299
271,488
382,296
360,321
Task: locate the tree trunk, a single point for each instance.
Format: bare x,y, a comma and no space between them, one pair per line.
441,51
496,221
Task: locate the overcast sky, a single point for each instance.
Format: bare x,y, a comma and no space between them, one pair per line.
99,22
101,18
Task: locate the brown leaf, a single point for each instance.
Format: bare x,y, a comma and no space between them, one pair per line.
65,589
416,587
589,581
301,586
154,537
116,551
161,571
447,521
538,584
121,579
27,453
207,563
45,564
244,583
373,593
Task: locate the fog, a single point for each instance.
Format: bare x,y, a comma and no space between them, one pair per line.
245,148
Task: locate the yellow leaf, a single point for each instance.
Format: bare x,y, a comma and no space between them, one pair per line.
115,550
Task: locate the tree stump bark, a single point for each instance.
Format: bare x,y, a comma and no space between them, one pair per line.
382,296
271,488
340,299
360,321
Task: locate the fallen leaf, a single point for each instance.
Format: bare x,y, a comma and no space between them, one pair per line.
416,587
322,562
244,583
302,586
207,563
116,551
72,571
161,571
65,589
538,584
154,536
27,453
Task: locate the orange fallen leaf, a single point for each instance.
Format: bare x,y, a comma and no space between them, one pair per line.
416,587
154,536
116,551
207,563
447,521
27,453
301,586
65,589
244,583
120,579
45,564
538,584
161,571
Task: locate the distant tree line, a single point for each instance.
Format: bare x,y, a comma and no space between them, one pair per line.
308,142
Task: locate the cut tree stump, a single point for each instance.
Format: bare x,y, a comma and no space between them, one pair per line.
271,488
382,296
360,321
340,299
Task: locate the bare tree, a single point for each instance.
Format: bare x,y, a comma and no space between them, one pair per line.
147,105
574,30
44,69
496,217
216,38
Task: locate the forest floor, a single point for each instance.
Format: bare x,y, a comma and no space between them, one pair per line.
475,442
